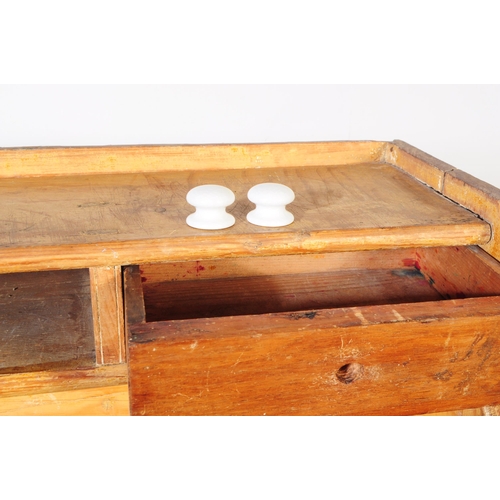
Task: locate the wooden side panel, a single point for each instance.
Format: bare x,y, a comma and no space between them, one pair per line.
98,401
418,164
46,321
378,360
479,197
129,159
107,309
459,272
464,189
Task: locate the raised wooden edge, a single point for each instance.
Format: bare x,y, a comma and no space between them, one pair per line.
107,312
237,245
464,189
55,381
479,197
417,163
16,162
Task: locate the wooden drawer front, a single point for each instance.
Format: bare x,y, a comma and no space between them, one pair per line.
417,353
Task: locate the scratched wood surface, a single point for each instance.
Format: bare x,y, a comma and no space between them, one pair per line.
65,222
376,360
46,321
15,162
405,355
107,312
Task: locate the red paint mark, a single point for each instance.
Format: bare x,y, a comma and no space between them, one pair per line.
198,267
143,279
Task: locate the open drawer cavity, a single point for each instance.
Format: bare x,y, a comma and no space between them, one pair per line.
373,332
46,321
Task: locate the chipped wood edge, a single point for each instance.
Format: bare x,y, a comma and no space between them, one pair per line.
107,313
54,161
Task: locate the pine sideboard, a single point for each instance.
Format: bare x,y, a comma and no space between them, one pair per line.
381,298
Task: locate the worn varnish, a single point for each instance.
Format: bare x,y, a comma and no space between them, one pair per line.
46,321
111,220
415,358
353,309
218,337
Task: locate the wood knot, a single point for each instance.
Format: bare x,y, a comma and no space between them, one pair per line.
350,373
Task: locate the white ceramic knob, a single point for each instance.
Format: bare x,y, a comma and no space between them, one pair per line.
270,199
210,201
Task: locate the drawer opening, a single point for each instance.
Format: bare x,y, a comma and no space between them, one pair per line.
46,321
260,285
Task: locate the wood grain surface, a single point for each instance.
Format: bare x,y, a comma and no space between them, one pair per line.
25,162
375,360
474,194
107,312
230,355
102,220
97,401
46,321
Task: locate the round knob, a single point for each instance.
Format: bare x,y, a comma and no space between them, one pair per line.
210,201
270,199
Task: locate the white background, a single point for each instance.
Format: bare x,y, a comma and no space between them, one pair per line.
384,42
459,124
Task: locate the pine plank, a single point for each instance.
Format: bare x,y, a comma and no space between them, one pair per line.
111,220
376,360
65,161
107,309
52,381
97,401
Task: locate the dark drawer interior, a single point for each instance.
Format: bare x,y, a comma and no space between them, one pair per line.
242,286
46,321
